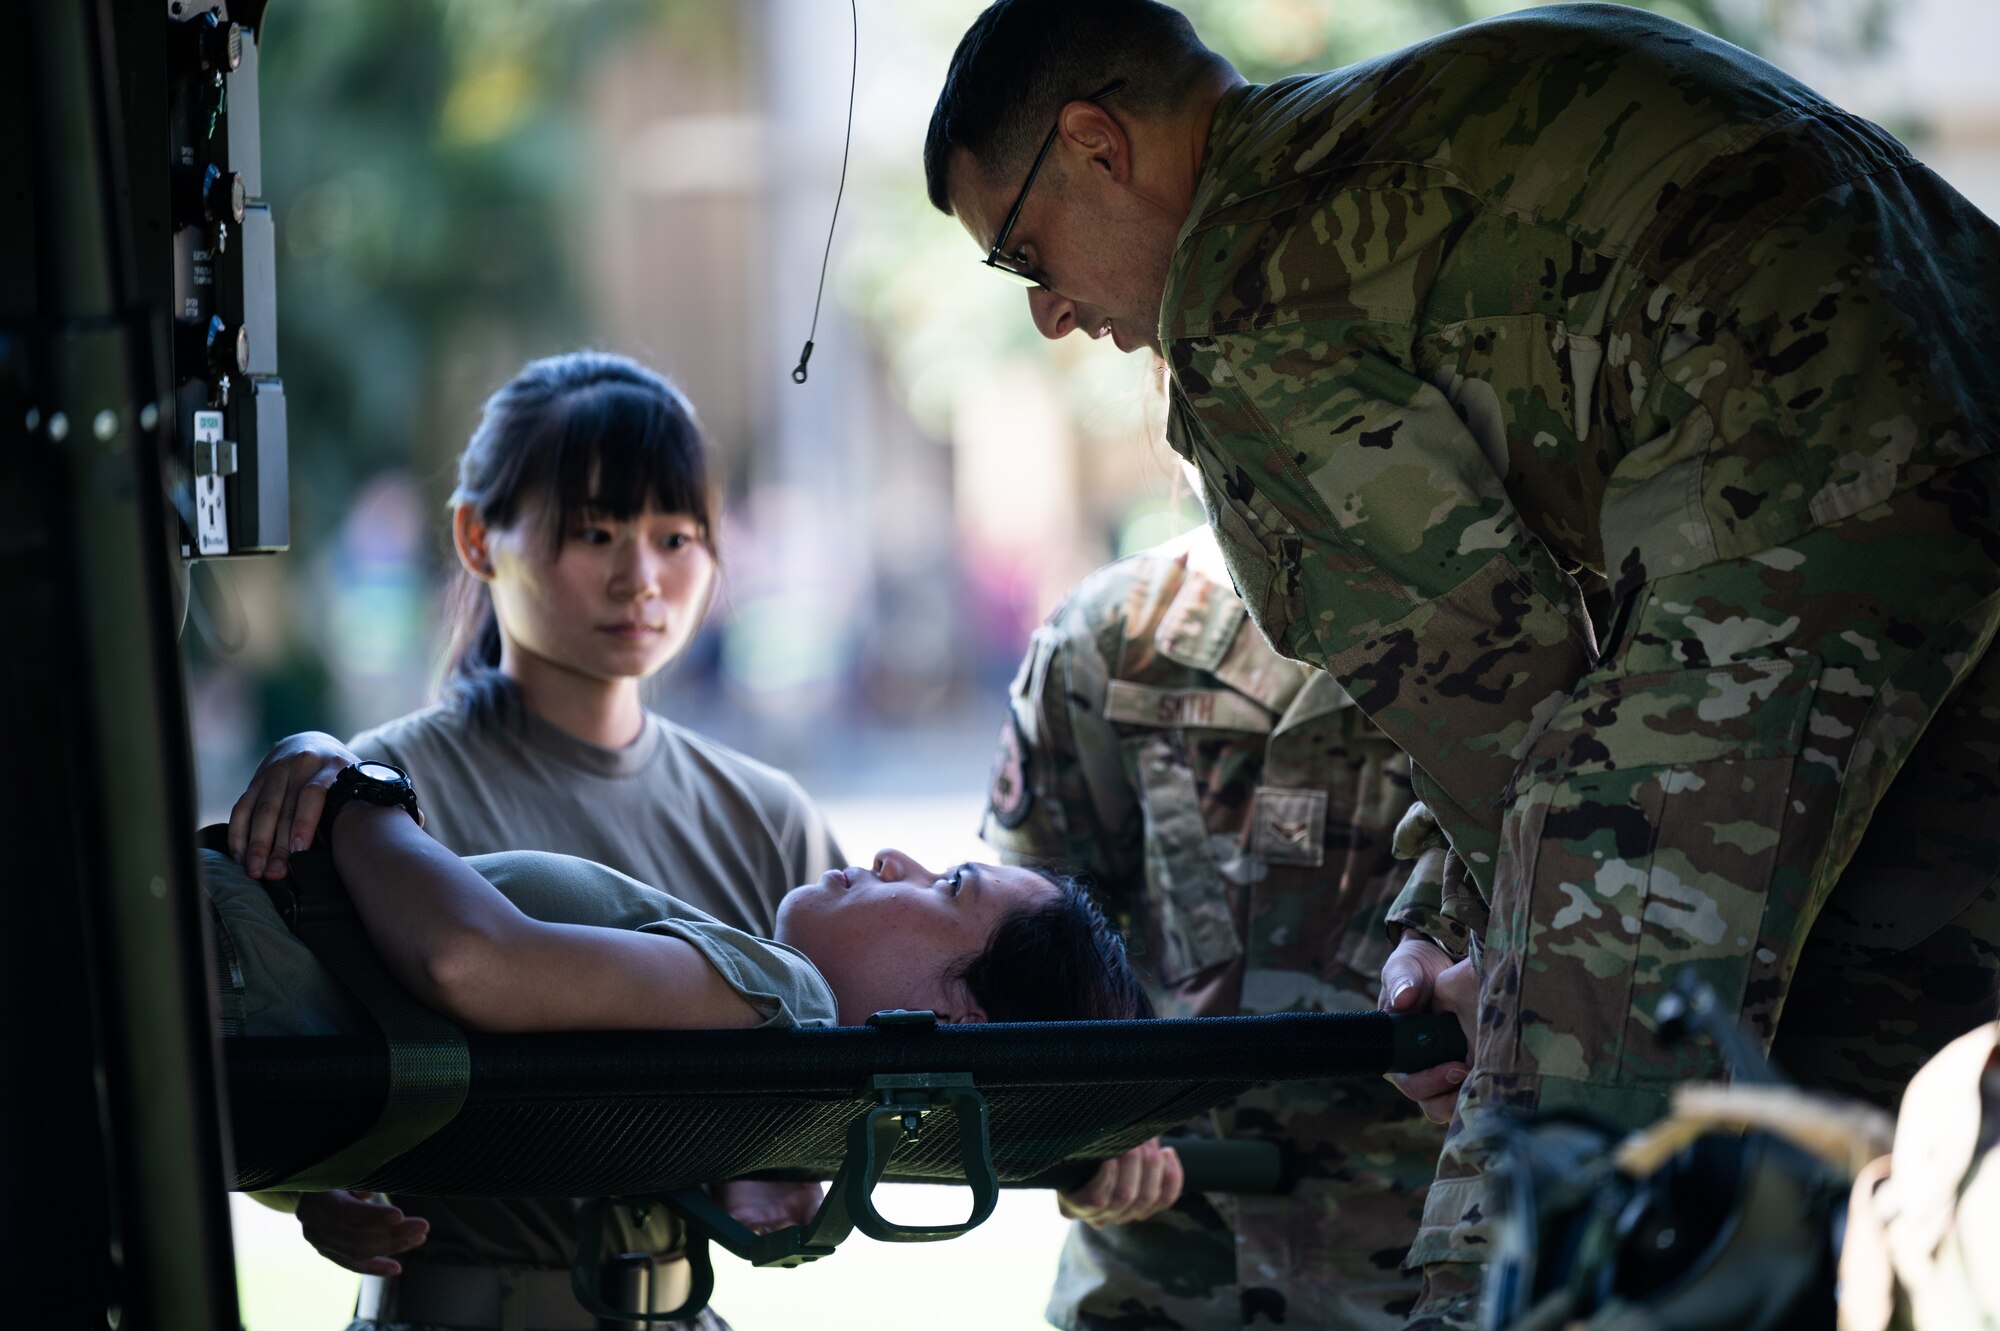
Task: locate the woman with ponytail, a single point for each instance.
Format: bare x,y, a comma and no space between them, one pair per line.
584,524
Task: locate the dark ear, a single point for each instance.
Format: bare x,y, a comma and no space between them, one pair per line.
1092,135
965,1009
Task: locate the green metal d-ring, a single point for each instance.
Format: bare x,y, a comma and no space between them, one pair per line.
874,1136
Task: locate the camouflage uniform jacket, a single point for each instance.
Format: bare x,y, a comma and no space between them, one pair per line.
1235,810
1450,326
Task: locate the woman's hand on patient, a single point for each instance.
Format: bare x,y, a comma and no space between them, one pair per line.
763,1206
1420,976
1137,1185
360,1230
279,813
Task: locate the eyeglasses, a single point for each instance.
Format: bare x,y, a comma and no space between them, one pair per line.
1013,265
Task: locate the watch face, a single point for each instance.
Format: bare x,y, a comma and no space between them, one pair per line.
375,771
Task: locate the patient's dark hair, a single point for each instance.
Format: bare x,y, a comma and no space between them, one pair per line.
586,431
1022,60
1059,962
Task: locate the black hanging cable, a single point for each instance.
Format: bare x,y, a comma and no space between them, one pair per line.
853,72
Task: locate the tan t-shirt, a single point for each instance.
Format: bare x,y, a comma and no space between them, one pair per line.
699,821
684,814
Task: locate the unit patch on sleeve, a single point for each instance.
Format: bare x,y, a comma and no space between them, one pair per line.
1010,795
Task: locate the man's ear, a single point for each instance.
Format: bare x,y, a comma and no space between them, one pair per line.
971,1014
469,537
1093,135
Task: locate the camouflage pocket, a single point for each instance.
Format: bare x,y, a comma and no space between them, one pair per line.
1289,826
1643,840
1196,925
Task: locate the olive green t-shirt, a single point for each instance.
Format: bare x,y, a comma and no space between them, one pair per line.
281,989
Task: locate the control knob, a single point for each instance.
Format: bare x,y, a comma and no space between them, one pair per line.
214,347
208,195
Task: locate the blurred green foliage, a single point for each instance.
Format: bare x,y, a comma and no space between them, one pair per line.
425,159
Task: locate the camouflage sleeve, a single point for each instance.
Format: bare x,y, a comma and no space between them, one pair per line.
1371,536
1058,794
1424,903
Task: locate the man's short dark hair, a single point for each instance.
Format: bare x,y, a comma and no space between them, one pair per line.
1021,60
1062,961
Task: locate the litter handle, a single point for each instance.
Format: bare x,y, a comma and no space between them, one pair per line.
1424,1040
1239,1168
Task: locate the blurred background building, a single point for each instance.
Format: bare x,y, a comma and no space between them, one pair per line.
461,185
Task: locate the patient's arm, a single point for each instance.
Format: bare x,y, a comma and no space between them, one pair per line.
461,947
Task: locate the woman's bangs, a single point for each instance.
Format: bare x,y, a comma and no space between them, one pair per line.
622,448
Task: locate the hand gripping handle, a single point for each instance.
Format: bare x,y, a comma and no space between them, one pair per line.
1420,1040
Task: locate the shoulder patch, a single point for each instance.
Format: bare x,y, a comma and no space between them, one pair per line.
1009,795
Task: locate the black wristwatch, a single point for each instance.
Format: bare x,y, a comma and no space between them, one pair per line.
372,782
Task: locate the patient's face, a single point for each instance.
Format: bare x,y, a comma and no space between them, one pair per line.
883,936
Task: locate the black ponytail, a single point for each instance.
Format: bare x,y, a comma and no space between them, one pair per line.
586,430
472,654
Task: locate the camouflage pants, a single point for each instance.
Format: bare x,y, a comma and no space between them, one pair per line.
1328,1254
1782,774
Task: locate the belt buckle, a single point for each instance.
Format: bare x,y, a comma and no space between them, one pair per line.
626,1281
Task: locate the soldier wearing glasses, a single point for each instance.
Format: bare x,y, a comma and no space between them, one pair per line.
1578,295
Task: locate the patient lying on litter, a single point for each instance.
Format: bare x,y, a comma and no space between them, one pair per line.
528,941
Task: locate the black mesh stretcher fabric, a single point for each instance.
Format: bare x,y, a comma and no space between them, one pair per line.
597,1114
